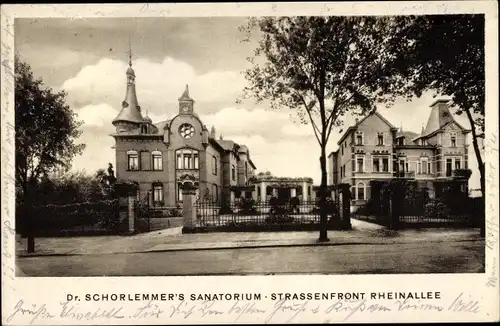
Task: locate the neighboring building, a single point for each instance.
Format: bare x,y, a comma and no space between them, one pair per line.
162,156
374,150
267,186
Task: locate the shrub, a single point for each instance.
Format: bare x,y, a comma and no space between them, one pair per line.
246,206
436,208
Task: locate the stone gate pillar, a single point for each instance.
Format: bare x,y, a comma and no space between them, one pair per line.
188,209
131,213
345,205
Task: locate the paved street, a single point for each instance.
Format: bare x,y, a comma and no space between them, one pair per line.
416,257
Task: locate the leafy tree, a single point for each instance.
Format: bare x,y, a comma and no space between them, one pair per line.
445,53
46,131
322,68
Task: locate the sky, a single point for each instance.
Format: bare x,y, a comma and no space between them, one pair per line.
88,58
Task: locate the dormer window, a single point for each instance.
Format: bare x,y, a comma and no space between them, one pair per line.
401,141
144,129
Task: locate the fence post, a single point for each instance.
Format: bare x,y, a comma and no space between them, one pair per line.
345,221
189,210
396,201
131,213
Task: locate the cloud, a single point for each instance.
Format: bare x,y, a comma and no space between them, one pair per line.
158,84
99,115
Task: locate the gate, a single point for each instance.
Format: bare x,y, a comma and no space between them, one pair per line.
143,214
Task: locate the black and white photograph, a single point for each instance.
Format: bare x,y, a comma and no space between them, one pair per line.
333,144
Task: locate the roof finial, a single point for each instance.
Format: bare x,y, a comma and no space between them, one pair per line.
401,126
129,52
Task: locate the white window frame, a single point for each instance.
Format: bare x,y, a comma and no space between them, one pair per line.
357,190
133,154
423,161
156,155
157,186
364,163
359,133
187,159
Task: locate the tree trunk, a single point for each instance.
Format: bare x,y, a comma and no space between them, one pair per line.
480,165
323,236
28,219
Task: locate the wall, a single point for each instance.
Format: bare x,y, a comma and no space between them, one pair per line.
144,178
211,178
370,128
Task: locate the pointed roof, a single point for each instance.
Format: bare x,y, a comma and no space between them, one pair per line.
131,111
185,96
439,117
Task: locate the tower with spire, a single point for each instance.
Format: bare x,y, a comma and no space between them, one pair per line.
186,103
130,115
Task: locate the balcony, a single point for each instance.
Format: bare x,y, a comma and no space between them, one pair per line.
404,174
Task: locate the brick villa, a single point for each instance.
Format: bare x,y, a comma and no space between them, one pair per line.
162,156
374,151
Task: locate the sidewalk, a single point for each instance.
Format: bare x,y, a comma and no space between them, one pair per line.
173,240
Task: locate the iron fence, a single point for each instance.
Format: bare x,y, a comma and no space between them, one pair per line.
86,218
247,213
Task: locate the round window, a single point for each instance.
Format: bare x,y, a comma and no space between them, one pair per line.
186,130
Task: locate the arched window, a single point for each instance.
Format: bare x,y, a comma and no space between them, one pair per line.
133,160
187,159
360,191
157,160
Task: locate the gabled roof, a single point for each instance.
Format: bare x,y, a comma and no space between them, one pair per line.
227,145
372,112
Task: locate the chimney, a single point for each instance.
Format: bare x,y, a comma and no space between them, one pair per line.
212,132
220,137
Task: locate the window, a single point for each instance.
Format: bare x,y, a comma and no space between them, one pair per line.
144,129
359,138
376,164
402,165
246,171
385,164
448,167
424,166
342,149
380,139
453,140
133,160
233,173
157,192
457,164
360,162
360,191
196,161
179,191
157,160
187,159
214,165
429,167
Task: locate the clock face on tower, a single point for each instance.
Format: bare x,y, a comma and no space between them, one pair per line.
186,130
184,107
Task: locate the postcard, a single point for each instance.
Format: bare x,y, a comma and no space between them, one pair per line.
206,163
